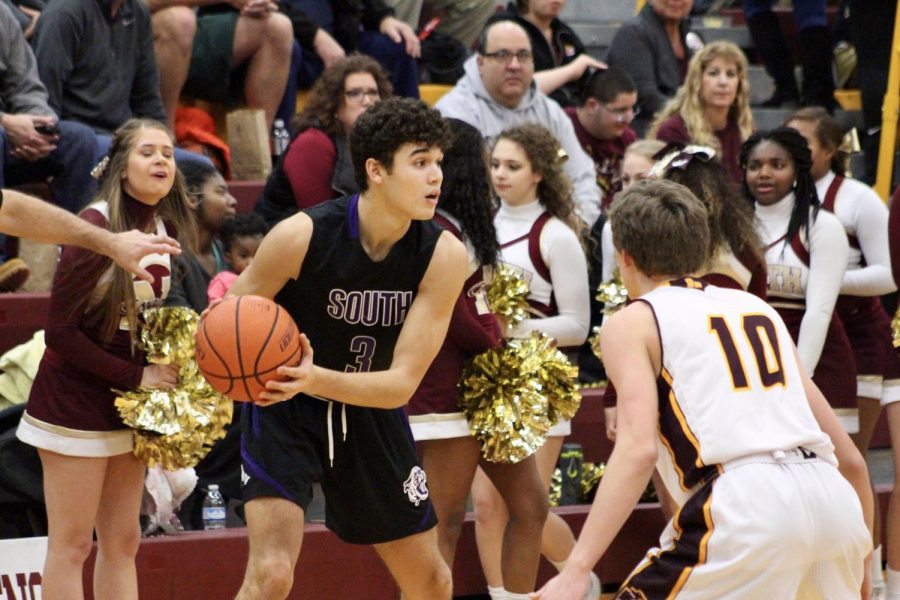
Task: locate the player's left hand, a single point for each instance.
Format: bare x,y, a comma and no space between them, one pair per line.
568,585
296,379
400,31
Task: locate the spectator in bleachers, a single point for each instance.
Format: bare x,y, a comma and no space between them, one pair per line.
241,237
460,19
815,52
96,59
712,108
316,166
213,205
329,30
654,48
602,122
34,144
561,63
223,52
498,91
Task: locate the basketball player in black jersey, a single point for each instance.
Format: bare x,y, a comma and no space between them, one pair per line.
371,281
24,216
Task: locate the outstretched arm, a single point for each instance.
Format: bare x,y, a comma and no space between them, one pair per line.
25,216
630,345
420,339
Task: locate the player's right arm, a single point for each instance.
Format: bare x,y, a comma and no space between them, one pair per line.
631,355
851,463
278,259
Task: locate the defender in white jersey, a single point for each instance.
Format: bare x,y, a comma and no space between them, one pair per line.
712,393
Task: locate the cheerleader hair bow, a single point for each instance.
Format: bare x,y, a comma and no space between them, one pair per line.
674,156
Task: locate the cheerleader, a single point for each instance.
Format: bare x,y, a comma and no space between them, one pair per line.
92,481
864,217
539,235
806,253
449,453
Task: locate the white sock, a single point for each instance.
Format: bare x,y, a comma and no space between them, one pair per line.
496,593
877,574
515,596
893,584
559,565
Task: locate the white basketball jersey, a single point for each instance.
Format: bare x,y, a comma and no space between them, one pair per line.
730,386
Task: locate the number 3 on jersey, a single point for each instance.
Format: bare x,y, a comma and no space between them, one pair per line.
363,347
760,333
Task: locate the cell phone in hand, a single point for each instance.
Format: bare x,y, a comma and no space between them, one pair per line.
47,129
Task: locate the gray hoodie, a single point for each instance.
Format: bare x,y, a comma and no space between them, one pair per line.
470,101
21,90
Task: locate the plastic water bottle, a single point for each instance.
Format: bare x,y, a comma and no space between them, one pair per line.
280,139
570,461
213,509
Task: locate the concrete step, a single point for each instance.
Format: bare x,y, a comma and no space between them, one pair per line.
598,10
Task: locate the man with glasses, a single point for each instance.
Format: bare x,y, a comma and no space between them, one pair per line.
602,123
498,91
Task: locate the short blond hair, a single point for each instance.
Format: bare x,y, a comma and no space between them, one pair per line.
663,226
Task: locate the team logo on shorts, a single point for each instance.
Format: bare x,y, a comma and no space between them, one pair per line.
416,487
244,477
631,593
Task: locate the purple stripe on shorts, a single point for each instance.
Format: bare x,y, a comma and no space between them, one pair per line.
256,470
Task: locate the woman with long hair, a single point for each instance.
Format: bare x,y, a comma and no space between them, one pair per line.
541,236
92,481
316,165
868,326
712,108
449,453
736,255
806,254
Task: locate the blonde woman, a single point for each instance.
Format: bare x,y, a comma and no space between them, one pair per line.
92,481
712,108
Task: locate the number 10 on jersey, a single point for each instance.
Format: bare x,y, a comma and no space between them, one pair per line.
760,333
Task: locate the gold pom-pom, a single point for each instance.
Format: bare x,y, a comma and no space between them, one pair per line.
174,428
504,399
895,328
508,295
557,377
612,294
594,341
513,395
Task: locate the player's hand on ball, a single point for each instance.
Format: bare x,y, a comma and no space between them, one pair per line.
210,306
160,377
296,379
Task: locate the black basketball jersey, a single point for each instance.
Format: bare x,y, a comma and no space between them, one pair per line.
351,307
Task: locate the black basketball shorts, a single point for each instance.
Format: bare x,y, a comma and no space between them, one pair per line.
365,458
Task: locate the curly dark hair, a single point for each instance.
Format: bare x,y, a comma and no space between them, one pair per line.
245,225
328,93
546,157
383,129
828,132
805,195
730,218
466,190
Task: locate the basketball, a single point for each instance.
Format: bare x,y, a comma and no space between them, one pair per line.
241,343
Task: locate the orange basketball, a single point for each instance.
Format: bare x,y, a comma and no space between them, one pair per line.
241,343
